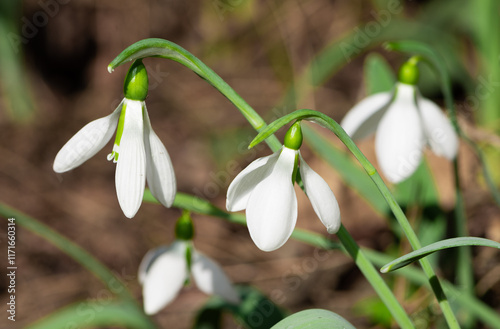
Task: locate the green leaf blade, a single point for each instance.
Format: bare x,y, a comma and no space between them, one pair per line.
444,244
314,318
95,313
379,76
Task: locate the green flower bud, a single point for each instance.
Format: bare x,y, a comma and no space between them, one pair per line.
135,86
408,72
184,229
293,137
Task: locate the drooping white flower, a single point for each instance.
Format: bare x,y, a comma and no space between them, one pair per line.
404,122
138,152
164,270
266,190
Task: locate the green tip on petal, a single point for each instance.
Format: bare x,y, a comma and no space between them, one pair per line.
409,72
189,258
135,86
184,229
293,137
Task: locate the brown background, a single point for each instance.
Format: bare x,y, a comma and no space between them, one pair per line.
258,48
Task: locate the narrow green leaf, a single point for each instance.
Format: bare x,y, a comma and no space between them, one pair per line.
444,244
314,318
94,266
16,98
477,307
375,311
487,33
379,76
95,313
70,248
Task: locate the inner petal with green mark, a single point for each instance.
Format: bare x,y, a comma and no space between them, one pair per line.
119,132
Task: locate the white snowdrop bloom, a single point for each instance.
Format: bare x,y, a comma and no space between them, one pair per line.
266,190
164,271
404,122
138,152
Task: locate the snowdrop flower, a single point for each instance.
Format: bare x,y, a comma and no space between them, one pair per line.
404,122
138,152
164,271
266,190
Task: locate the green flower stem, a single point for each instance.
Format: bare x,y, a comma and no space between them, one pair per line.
376,281
78,254
400,217
414,242
469,302
333,126
169,50
465,276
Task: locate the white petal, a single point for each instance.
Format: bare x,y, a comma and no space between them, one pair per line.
130,176
149,259
361,121
165,278
159,170
243,184
440,134
211,279
321,196
87,142
272,206
400,138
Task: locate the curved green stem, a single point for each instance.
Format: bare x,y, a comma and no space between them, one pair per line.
376,281
333,126
169,50
71,249
465,275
